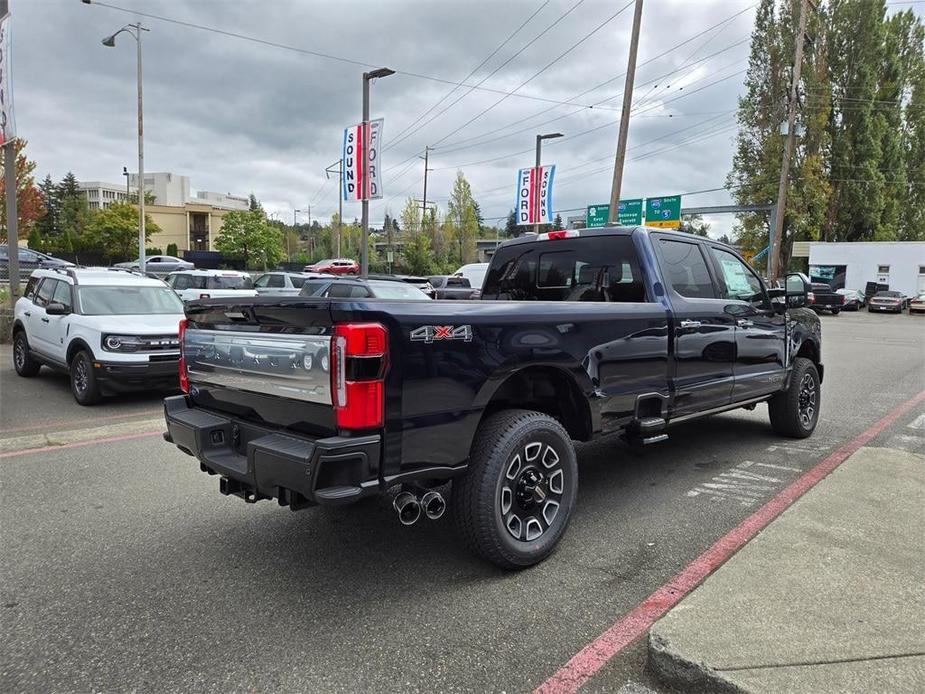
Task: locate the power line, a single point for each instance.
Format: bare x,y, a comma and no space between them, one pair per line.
327,56
538,73
399,138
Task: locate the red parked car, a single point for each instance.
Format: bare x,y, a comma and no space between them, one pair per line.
335,266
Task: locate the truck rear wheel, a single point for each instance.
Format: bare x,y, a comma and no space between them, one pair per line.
795,411
515,500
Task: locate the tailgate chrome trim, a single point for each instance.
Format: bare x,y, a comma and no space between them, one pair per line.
288,366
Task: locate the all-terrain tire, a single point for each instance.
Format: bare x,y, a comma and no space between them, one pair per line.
795,411
25,365
514,502
84,386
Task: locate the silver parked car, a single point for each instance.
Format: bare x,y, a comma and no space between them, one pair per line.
160,264
283,283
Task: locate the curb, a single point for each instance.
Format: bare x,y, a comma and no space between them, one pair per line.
671,669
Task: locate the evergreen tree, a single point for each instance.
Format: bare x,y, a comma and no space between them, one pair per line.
913,216
557,222
253,204
510,227
47,225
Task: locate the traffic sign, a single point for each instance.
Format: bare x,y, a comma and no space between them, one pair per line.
629,214
597,215
664,213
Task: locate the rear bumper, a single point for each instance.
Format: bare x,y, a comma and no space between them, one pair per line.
256,462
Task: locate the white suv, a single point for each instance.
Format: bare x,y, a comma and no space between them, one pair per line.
211,284
112,330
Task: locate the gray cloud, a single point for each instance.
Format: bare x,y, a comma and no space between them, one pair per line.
239,117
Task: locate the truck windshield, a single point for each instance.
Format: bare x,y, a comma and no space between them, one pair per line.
591,268
128,301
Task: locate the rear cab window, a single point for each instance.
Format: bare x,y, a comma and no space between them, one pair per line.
590,268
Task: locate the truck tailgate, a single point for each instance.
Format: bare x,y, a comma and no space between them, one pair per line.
266,360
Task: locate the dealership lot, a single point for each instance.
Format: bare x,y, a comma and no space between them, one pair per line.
125,569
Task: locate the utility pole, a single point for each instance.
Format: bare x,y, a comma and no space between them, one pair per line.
12,218
777,231
424,201
625,117
288,243
340,197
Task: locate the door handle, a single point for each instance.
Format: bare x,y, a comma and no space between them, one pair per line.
743,323
690,324
44,320
27,314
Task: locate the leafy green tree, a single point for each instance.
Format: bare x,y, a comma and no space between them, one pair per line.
913,215
417,255
113,231
172,250
247,236
411,217
30,204
47,225
694,224
35,239
462,215
557,222
510,227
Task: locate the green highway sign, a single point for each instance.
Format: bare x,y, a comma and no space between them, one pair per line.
597,215
664,212
629,214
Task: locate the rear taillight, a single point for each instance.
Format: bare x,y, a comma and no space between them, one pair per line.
184,376
360,354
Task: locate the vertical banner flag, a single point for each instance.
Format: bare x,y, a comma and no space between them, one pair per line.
534,195
362,173
7,123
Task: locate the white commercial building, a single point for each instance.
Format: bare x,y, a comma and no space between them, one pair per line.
225,201
897,264
169,189
101,195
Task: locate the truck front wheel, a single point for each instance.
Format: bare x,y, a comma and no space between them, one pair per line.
516,498
795,411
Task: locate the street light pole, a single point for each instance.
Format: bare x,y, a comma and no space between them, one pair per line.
110,41
539,146
364,251
288,251
340,197
128,192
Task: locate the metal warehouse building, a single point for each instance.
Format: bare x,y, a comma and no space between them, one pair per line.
898,264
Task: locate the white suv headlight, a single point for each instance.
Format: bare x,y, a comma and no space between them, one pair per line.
122,343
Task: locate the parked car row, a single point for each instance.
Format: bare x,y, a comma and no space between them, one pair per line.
822,298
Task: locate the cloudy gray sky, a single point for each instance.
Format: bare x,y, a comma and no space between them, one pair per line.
239,116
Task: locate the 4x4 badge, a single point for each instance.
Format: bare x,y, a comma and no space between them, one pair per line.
431,333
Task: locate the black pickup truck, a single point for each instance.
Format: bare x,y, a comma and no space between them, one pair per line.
577,334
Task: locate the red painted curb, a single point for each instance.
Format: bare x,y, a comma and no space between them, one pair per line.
590,659
78,444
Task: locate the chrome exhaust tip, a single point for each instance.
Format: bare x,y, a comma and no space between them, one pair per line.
434,505
408,508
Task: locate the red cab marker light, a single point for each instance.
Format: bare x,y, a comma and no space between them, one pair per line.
184,375
558,235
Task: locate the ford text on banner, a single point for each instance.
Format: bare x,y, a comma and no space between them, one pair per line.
534,195
362,173
7,123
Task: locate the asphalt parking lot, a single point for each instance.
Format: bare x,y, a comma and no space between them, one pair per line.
124,569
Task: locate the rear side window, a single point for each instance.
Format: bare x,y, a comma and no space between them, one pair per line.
343,290
297,282
686,270
46,291
276,281
313,288
31,286
602,268
231,282
458,282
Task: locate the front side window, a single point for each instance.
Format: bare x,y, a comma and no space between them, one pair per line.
62,295
686,270
128,301
740,281
262,281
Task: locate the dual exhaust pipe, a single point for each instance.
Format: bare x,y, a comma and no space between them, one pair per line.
410,506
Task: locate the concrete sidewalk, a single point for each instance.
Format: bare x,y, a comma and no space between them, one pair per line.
828,598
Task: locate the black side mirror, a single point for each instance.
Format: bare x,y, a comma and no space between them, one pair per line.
797,289
57,309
